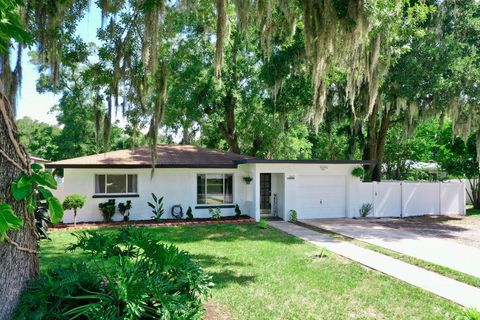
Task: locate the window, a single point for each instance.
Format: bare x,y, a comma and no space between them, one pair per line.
214,188
115,183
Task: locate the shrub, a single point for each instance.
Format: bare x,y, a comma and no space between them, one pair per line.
262,224
124,209
238,212
365,209
215,213
108,209
73,202
358,172
157,207
189,214
128,276
293,216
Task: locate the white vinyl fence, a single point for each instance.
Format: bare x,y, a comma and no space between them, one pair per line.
406,199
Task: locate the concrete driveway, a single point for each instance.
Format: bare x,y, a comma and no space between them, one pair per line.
431,246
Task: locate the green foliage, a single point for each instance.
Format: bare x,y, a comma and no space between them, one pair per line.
31,188
157,207
402,149
459,159
145,279
189,214
238,212
293,216
216,213
8,220
40,139
56,210
468,314
11,26
262,224
365,210
124,209
74,201
108,209
358,172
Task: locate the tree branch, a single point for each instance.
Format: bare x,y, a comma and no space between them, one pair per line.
19,247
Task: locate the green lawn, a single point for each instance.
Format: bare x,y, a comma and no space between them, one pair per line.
265,274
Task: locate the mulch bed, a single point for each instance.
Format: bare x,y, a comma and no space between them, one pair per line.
149,223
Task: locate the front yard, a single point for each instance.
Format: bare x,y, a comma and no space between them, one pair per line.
265,274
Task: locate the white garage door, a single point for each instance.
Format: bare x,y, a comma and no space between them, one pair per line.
321,196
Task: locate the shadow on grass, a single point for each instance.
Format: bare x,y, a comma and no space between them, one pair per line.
224,270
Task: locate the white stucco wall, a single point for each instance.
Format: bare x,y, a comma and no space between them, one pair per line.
177,186
289,175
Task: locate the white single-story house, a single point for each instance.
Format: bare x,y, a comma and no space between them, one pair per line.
201,178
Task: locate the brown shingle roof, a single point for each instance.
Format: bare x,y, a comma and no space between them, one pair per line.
168,156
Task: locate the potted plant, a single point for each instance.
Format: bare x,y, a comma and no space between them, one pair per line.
247,179
124,209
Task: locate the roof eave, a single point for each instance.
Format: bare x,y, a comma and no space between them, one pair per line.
254,161
138,166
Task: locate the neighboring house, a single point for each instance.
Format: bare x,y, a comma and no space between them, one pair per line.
202,178
38,160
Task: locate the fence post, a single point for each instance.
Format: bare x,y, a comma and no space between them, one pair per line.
401,199
440,198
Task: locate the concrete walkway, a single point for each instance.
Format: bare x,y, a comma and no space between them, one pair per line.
444,252
450,289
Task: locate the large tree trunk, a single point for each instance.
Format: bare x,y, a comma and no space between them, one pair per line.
227,128
17,266
375,144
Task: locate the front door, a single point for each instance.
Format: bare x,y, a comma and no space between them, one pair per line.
265,192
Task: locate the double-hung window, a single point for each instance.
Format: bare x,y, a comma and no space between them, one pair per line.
115,183
214,189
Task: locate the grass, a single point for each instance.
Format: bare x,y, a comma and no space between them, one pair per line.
450,273
261,273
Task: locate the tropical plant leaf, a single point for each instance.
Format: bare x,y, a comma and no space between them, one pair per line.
154,197
8,220
56,210
45,178
21,188
46,194
151,205
31,204
36,167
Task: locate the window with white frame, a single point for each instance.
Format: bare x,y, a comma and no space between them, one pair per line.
214,189
115,183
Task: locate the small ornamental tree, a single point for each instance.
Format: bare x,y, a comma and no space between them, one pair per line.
73,202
